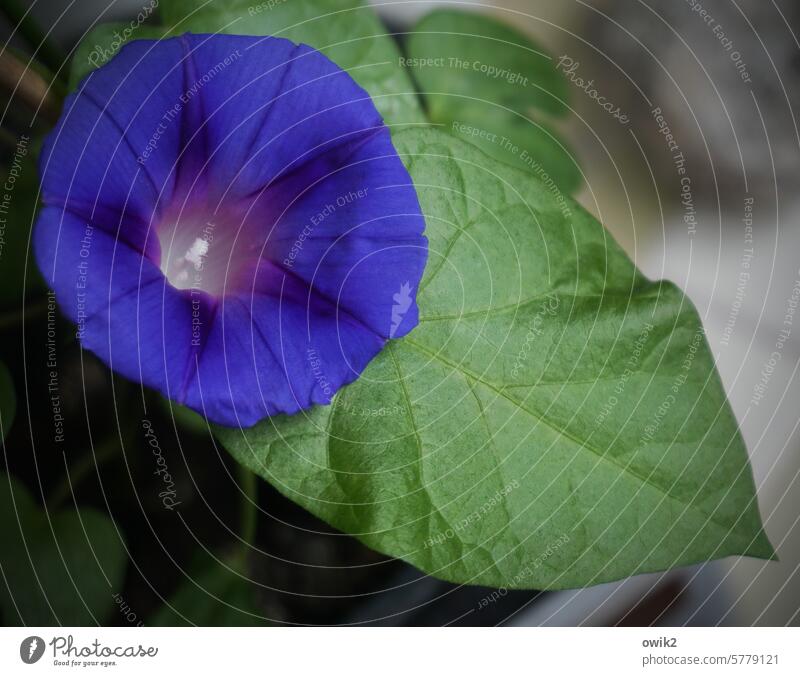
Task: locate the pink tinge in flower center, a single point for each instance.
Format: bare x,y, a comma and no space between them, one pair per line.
208,254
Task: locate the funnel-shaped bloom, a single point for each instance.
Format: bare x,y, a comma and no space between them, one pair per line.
226,220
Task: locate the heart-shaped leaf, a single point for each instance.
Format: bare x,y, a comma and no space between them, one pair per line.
57,569
555,421
214,594
481,80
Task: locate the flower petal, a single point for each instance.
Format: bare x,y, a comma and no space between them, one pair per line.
255,239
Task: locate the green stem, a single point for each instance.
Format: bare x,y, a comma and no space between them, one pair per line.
249,515
19,16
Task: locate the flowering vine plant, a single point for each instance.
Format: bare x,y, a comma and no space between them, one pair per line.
363,267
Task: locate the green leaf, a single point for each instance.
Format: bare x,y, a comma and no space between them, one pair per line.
8,401
480,57
184,418
520,142
344,30
479,73
214,594
555,421
102,44
62,569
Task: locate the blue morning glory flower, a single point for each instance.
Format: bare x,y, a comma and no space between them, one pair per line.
227,221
